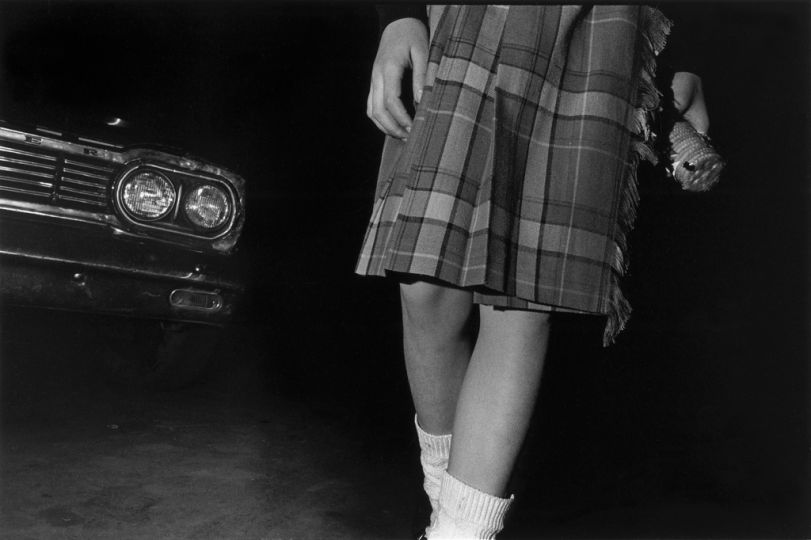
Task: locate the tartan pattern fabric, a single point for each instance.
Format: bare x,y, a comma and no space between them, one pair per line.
518,177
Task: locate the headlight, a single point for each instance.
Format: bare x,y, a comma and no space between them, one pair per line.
148,195
207,207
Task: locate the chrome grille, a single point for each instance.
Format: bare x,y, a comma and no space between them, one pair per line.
85,181
54,177
26,173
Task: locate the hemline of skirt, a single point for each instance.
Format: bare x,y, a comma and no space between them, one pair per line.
482,293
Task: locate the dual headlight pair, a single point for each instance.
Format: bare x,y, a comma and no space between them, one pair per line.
148,195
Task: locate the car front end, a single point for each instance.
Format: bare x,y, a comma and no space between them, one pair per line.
139,231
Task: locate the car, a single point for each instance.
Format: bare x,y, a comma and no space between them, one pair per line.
124,232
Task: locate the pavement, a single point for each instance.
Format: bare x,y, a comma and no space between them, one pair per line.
249,452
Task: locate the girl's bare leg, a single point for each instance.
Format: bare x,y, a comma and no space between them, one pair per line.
498,396
437,348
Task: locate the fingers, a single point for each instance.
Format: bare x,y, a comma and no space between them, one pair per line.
419,61
370,111
384,107
392,79
400,43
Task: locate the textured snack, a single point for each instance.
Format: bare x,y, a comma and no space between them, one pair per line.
695,163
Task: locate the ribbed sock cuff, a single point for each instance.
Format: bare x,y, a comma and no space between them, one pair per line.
469,507
436,445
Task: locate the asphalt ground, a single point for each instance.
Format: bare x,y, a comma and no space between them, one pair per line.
286,437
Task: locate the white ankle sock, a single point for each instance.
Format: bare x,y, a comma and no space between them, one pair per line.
465,512
434,453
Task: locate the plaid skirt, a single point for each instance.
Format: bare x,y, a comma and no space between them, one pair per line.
518,179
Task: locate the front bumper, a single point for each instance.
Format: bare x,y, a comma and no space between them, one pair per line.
58,264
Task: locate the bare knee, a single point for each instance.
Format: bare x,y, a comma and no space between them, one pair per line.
430,306
424,295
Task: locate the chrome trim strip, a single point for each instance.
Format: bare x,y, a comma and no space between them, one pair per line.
47,166
68,180
94,141
89,166
82,192
67,214
25,192
86,174
24,153
23,171
83,201
27,181
189,277
177,202
48,131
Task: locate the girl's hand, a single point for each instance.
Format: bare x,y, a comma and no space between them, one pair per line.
688,97
404,44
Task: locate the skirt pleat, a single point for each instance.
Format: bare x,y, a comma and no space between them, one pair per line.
518,176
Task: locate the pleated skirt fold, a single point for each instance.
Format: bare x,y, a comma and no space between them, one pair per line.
518,179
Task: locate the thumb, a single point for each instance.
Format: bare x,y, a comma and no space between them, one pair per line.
419,65
688,97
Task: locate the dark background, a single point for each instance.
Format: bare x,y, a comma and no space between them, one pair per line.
704,396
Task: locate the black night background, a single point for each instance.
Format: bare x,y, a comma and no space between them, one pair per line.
694,424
